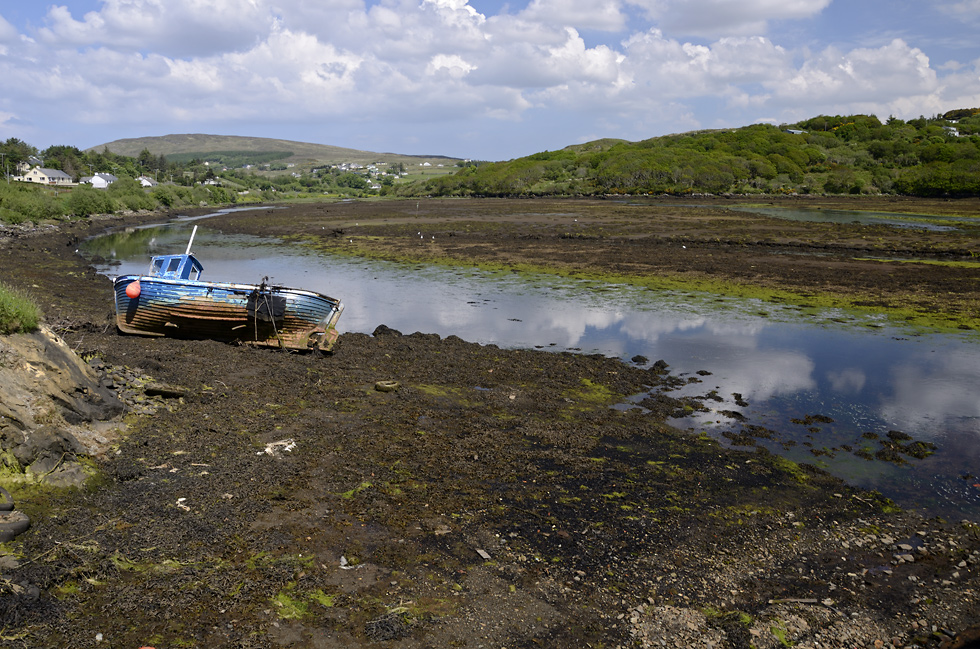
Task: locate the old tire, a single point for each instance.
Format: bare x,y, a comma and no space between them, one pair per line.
12,524
387,386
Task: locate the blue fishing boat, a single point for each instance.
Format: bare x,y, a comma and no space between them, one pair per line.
172,300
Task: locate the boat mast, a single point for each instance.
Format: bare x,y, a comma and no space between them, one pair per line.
193,232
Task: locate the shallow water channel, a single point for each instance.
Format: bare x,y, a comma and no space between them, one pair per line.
827,383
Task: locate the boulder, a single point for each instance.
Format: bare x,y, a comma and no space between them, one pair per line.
52,408
42,378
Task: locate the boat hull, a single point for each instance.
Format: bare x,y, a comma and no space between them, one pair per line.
262,315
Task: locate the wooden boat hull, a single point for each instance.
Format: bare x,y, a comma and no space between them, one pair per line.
263,315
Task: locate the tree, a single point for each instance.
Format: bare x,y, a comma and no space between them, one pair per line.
352,181
14,152
147,160
66,158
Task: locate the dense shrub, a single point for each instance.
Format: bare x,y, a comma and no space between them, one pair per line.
20,202
167,195
130,194
85,201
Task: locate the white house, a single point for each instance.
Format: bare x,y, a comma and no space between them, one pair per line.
100,181
46,177
146,181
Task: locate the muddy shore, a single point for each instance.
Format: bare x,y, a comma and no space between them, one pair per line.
493,499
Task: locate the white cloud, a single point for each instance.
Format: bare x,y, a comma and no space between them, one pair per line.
862,75
453,65
178,28
675,69
713,18
967,11
8,34
604,15
553,60
138,62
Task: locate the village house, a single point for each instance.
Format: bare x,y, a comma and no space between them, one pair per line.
100,180
146,181
46,177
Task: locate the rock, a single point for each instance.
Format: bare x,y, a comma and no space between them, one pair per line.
46,442
165,390
42,377
67,474
53,408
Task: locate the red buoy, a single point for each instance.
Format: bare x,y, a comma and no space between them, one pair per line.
133,290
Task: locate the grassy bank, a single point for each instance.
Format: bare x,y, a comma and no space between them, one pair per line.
18,312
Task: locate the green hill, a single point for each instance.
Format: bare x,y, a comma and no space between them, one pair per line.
854,154
236,150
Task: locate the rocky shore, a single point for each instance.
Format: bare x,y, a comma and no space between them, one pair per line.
416,491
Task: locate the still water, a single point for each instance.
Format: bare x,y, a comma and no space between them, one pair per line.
771,364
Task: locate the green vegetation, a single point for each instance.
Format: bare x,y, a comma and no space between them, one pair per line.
856,154
18,313
22,202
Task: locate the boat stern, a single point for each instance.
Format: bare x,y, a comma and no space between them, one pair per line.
325,335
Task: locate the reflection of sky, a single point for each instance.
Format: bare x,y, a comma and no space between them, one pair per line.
865,380
935,389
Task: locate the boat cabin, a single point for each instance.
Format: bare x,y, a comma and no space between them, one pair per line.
176,267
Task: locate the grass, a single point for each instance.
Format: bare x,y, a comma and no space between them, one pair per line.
18,312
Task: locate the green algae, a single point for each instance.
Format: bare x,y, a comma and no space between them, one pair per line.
588,396
356,490
290,607
443,392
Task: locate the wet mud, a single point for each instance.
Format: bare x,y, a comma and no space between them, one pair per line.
409,490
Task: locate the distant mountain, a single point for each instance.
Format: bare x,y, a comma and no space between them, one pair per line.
197,145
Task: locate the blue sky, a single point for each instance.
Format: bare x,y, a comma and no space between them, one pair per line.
481,79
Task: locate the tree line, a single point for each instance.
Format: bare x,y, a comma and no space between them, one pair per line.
856,154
